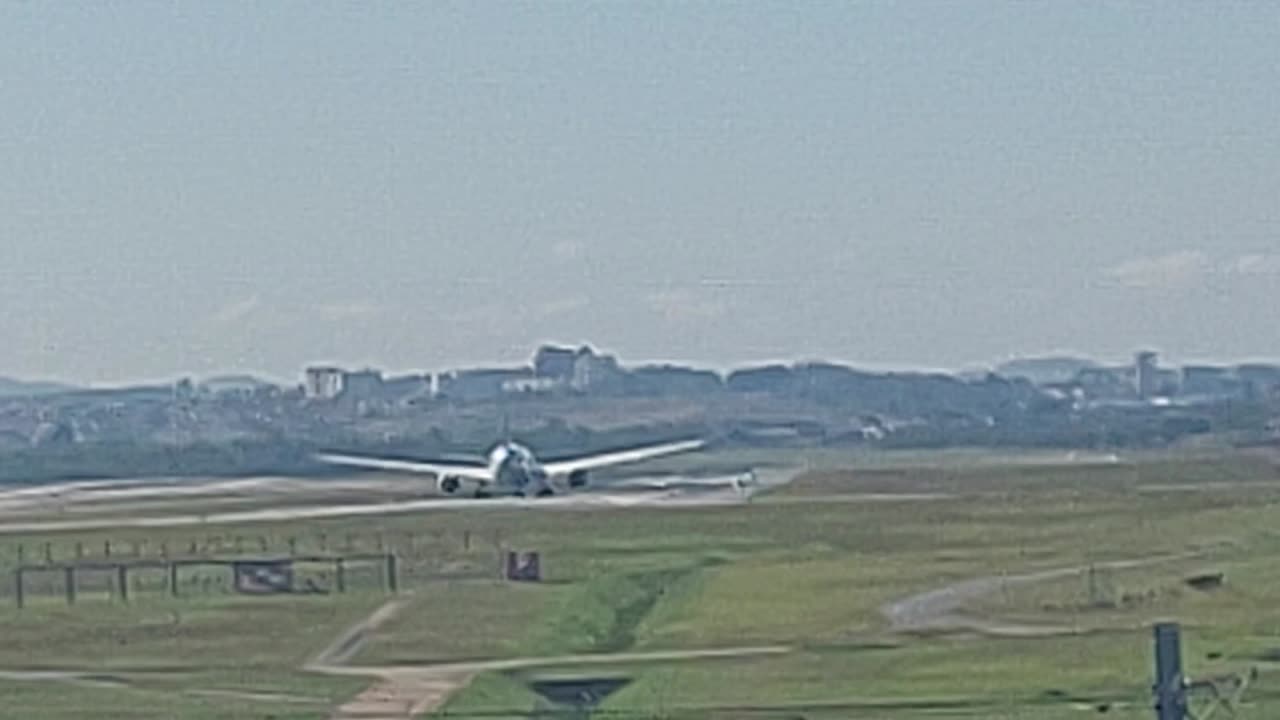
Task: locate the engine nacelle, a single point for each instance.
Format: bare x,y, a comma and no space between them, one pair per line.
454,485
578,479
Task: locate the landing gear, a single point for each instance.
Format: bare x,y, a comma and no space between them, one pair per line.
544,492
482,495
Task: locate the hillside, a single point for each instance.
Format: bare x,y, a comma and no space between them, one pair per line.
10,387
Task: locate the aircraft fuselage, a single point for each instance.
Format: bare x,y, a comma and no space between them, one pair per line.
517,471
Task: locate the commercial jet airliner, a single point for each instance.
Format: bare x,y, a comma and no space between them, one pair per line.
512,469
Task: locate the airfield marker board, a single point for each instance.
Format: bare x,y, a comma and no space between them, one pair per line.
1170,687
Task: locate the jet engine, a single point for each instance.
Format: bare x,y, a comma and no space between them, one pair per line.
454,485
578,479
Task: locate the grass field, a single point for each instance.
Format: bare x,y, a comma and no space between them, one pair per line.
810,567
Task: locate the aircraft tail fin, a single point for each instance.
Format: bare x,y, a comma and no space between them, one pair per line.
504,429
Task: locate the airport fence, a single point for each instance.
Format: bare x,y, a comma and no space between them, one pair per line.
175,563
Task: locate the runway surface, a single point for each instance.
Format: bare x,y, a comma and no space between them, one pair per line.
175,503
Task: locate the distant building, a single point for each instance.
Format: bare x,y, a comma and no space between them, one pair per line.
362,385
1209,381
1146,374
481,384
555,363
407,389
595,373
1168,381
1105,383
323,383
52,434
1260,381
333,383
530,385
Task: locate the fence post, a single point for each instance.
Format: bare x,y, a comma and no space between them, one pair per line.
340,574
69,578
18,589
393,580
122,576
173,578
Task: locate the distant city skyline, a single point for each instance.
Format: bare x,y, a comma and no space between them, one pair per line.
295,377
205,189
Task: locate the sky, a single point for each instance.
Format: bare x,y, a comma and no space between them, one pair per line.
201,188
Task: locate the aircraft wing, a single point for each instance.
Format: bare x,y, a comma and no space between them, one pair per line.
739,480
470,472
620,457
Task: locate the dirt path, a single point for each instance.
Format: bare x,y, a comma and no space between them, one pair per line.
401,692
353,639
941,609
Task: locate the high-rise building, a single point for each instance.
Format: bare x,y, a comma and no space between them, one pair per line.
1146,374
323,383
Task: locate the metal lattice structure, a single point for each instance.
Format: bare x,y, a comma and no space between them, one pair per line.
1173,690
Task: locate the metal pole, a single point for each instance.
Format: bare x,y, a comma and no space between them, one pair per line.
393,581
18,588
69,576
1170,687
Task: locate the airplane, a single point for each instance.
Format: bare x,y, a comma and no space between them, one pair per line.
513,469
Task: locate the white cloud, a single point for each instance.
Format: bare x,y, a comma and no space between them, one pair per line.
1176,270
235,312
563,306
567,250
680,304
355,310
1191,268
1255,264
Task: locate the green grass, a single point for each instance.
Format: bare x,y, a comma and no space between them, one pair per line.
205,694
489,693
463,620
197,633
816,574
605,613
800,567
164,648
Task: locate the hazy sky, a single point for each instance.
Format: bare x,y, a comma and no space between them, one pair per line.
223,186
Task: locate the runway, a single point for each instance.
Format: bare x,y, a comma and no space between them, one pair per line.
176,503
